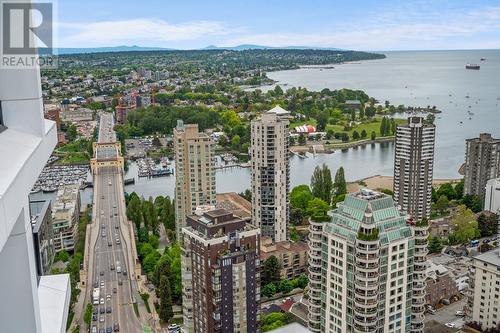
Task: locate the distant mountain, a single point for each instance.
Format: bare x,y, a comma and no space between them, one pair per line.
123,48
243,47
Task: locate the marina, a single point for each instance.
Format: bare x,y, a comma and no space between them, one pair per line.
147,167
53,176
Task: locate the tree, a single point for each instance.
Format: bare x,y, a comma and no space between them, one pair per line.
247,195
62,256
364,134
235,142
302,139
87,316
317,207
297,216
269,290
149,263
434,244
322,120
487,224
465,226
285,286
473,202
321,183
300,197
340,185
373,136
165,299
355,135
134,210
430,118
301,282
270,271
383,126
459,190
145,249
446,190
442,204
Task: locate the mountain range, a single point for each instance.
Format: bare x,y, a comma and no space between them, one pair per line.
125,48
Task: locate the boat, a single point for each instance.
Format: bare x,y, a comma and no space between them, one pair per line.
472,66
483,59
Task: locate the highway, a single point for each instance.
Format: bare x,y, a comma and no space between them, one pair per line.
110,259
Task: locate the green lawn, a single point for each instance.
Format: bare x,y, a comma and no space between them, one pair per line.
368,126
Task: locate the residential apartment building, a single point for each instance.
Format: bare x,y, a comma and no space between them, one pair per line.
492,196
271,173
43,235
65,217
482,163
194,172
292,256
29,303
367,268
413,167
220,273
483,304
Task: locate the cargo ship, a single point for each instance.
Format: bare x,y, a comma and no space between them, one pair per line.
472,66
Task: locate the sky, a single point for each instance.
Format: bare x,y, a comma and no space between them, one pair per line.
355,24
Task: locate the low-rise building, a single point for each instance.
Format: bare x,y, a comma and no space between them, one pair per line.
439,284
292,256
65,217
440,228
483,305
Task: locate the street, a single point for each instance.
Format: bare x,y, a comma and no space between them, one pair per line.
446,314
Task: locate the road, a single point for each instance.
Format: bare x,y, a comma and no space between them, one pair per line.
110,261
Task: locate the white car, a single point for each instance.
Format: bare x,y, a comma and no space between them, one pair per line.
459,313
102,300
450,325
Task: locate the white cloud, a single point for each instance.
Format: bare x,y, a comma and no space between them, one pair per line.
146,32
379,33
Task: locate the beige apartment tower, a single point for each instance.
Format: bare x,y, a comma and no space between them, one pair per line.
271,174
413,167
195,171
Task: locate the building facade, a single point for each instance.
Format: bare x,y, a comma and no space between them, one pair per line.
29,303
194,172
220,273
413,167
482,163
271,173
439,284
492,196
292,256
367,268
483,304
43,236
65,217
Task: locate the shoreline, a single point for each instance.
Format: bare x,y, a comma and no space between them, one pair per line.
386,182
330,148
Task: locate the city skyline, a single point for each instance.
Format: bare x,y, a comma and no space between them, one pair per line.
364,25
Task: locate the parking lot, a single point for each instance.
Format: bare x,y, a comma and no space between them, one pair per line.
446,314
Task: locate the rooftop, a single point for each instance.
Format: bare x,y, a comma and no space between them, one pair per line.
279,111
54,295
490,257
292,328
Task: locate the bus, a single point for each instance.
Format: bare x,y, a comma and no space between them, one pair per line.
95,296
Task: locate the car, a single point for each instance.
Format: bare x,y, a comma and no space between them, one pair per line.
114,290
116,214
101,273
101,319
450,325
101,330
95,310
116,327
103,226
102,196
111,215
118,241
102,212
108,309
94,317
459,313
109,329
112,267
103,234
96,284
431,311
125,272
102,310
110,243
94,329
117,226
120,282
173,328
102,284
102,300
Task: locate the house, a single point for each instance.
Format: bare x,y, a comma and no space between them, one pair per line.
292,256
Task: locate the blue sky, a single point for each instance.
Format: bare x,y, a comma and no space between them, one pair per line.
362,24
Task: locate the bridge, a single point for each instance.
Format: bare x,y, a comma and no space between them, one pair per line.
110,262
